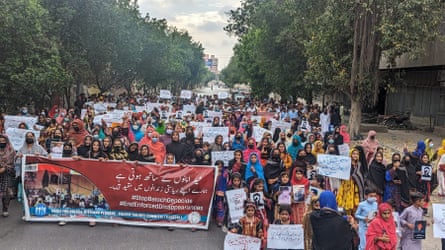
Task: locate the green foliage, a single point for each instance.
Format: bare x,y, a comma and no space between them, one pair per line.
49,46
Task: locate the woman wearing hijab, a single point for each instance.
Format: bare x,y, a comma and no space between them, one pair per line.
348,196
345,134
298,178
381,234
376,178
254,170
330,229
295,146
441,169
157,147
251,148
370,145
7,172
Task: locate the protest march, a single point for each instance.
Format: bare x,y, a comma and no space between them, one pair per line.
272,175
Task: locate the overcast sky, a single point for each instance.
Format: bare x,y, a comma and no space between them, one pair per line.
204,20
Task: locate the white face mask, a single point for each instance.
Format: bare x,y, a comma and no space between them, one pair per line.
431,145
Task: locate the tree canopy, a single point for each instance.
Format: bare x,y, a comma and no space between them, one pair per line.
49,46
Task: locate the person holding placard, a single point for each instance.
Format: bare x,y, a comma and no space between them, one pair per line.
365,214
237,164
249,224
408,219
7,172
220,189
381,234
298,179
424,171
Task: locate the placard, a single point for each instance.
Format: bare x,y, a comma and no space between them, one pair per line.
427,173
258,198
186,94
188,108
16,136
285,196
13,121
280,124
285,236
439,220
343,149
258,133
223,95
299,193
241,242
419,230
334,166
235,202
165,94
209,133
224,156
128,193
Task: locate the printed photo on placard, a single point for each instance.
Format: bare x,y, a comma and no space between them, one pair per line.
298,193
285,197
258,198
427,173
419,230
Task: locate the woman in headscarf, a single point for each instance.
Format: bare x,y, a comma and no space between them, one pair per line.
298,178
429,145
377,171
330,229
441,169
251,148
370,145
295,146
393,182
7,172
318,148
286,159
254,170
381,234
220,189
345,134
348,196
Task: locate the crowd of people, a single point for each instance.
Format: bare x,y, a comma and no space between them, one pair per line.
337,216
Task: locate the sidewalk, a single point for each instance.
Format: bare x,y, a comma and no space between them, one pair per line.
392,142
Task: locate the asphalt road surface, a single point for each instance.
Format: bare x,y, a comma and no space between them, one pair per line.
17,234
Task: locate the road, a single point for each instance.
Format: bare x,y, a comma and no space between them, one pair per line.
17,234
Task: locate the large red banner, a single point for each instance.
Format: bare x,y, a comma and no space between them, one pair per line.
132,193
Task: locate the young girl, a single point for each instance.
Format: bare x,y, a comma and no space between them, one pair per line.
250,225
221,187
298,207
424,186
264,212
283,182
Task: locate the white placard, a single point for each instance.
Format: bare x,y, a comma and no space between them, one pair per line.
151,105
439,220
235,201
212,114
17,136
280,124
285,236
209,133
13,121
186,94
258,199
188,108
427,173
100,108
258,133
223,95
224,156
165,94
241,242
343,149
334,166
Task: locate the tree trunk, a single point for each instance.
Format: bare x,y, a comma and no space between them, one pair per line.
355,117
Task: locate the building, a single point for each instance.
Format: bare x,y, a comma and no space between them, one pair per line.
211,63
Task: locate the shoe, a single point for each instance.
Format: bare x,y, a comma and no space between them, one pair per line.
5,214
194,230
170,229
62,223
219,224
224,229
92,224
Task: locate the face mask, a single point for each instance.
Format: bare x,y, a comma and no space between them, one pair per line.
57,137
154,140
29,140
77,129
149,134
372,137
2,145
95,136
331,141
117,148
250,146
431,145
67,152
135,127
276,157
372,199
244,126
169,131
238,137
115,133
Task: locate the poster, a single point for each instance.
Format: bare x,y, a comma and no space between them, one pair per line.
258,133
334,166
17,136
285,197
241,242
235,201
223,95
126,193
298,192
439,220
258,199
224,156
285,237
186,94
343,149
165,94
419,230
209,134
427,173
13,121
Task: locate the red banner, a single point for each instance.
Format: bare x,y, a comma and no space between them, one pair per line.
150,194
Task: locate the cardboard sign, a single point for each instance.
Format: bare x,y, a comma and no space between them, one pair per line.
209,133
419,230
235,201
186,94
224,156
439,220
241,242
223,95
334,166
285,237
427,173
17,136
13,121
165,94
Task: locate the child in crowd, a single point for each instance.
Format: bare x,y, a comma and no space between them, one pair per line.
298,206
283,182
365,214
408,218
221,187
249,224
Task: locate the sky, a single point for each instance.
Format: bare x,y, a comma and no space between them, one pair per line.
204,21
